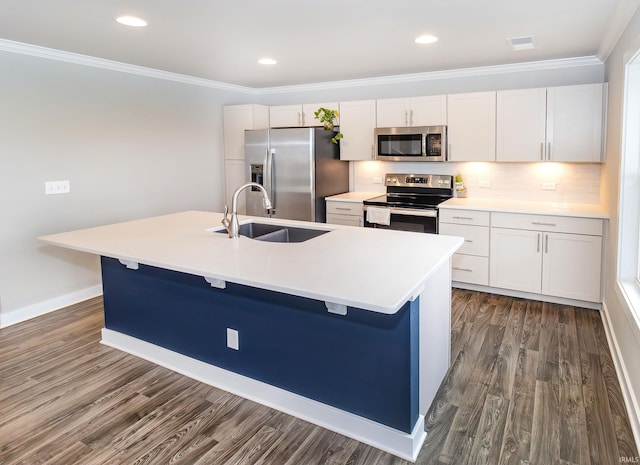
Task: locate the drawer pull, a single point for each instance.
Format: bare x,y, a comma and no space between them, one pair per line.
343,208
468,240
463,218
539,223
462,269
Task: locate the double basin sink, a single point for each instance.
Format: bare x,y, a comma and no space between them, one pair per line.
267,232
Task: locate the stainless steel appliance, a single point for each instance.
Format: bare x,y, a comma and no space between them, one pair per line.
412,202
424,143
298,167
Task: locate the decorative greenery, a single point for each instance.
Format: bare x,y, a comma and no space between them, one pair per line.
458,178
328,119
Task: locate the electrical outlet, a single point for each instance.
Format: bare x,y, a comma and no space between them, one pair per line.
233,341
548,186
57,187
484,183
377,180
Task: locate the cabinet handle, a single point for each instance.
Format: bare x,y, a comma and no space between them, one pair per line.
372,152
449,153
549,151
463,218
468,240
299,119
539,223
411,119
462,269
538,247
406,118
343,208
546,243
541,151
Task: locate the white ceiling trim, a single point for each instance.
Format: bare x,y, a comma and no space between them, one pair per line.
76,58
447,74
79,59
624,13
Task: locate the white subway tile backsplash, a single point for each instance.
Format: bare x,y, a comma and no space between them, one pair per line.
574,182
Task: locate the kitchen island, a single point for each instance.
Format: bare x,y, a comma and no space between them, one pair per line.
349,330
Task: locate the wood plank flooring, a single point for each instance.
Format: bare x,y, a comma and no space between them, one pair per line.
530,383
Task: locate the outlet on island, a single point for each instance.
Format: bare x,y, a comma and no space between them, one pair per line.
232,339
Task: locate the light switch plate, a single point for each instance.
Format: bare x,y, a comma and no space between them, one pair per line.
57,187
548,186
233,341
484,183
377,180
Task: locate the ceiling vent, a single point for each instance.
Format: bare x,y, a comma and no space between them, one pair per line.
522,43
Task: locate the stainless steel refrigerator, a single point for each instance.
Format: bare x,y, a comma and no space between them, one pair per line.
298,167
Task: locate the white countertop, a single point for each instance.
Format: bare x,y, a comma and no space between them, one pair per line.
354,196
583,210
378,270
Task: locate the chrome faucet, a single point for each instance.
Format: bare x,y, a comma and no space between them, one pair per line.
232,225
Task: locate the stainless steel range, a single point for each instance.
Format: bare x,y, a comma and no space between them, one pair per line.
410,204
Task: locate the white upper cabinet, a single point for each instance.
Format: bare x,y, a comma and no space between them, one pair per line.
472,126
521,125
416,111
237,118
553,124
574,123
292,116
357,122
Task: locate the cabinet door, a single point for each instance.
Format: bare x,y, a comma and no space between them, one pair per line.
515,259
357,122
392,112
428,111
520,125
574,123
234,177
285,116
309,109
237,118
472,126
572,266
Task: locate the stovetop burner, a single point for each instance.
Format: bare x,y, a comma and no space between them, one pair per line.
423,191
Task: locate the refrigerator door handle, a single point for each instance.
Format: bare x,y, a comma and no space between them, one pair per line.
268,179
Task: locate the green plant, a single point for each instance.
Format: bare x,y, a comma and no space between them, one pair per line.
328,119
458,178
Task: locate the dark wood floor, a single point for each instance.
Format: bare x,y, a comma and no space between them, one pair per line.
531,383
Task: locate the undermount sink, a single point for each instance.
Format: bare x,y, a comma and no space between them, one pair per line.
276,233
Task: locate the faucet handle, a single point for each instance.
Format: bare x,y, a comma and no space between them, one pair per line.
225,221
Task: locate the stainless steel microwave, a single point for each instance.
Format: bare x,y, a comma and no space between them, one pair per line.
421,143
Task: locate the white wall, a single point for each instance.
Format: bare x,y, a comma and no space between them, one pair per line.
625,331
131,146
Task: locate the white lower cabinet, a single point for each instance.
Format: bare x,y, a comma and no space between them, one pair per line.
471,263
345,213
554,256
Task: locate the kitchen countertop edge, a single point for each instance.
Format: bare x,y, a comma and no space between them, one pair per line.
582,210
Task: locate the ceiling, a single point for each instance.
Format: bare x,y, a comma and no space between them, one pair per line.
319,41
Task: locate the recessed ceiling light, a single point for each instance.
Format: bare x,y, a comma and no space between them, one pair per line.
132,21
267,61
522,43
426,39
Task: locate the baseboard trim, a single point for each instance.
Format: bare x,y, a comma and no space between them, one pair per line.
527,295
41,308
630,401
382,437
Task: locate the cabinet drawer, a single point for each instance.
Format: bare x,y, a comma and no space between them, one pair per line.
478,218
476,238
345,208
470,269
589,226
346,220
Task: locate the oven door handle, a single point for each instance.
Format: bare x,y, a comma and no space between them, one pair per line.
411,212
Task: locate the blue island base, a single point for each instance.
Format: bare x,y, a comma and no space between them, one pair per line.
358,374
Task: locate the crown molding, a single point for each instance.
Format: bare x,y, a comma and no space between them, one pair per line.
76,58
623,15
86,60
447,74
